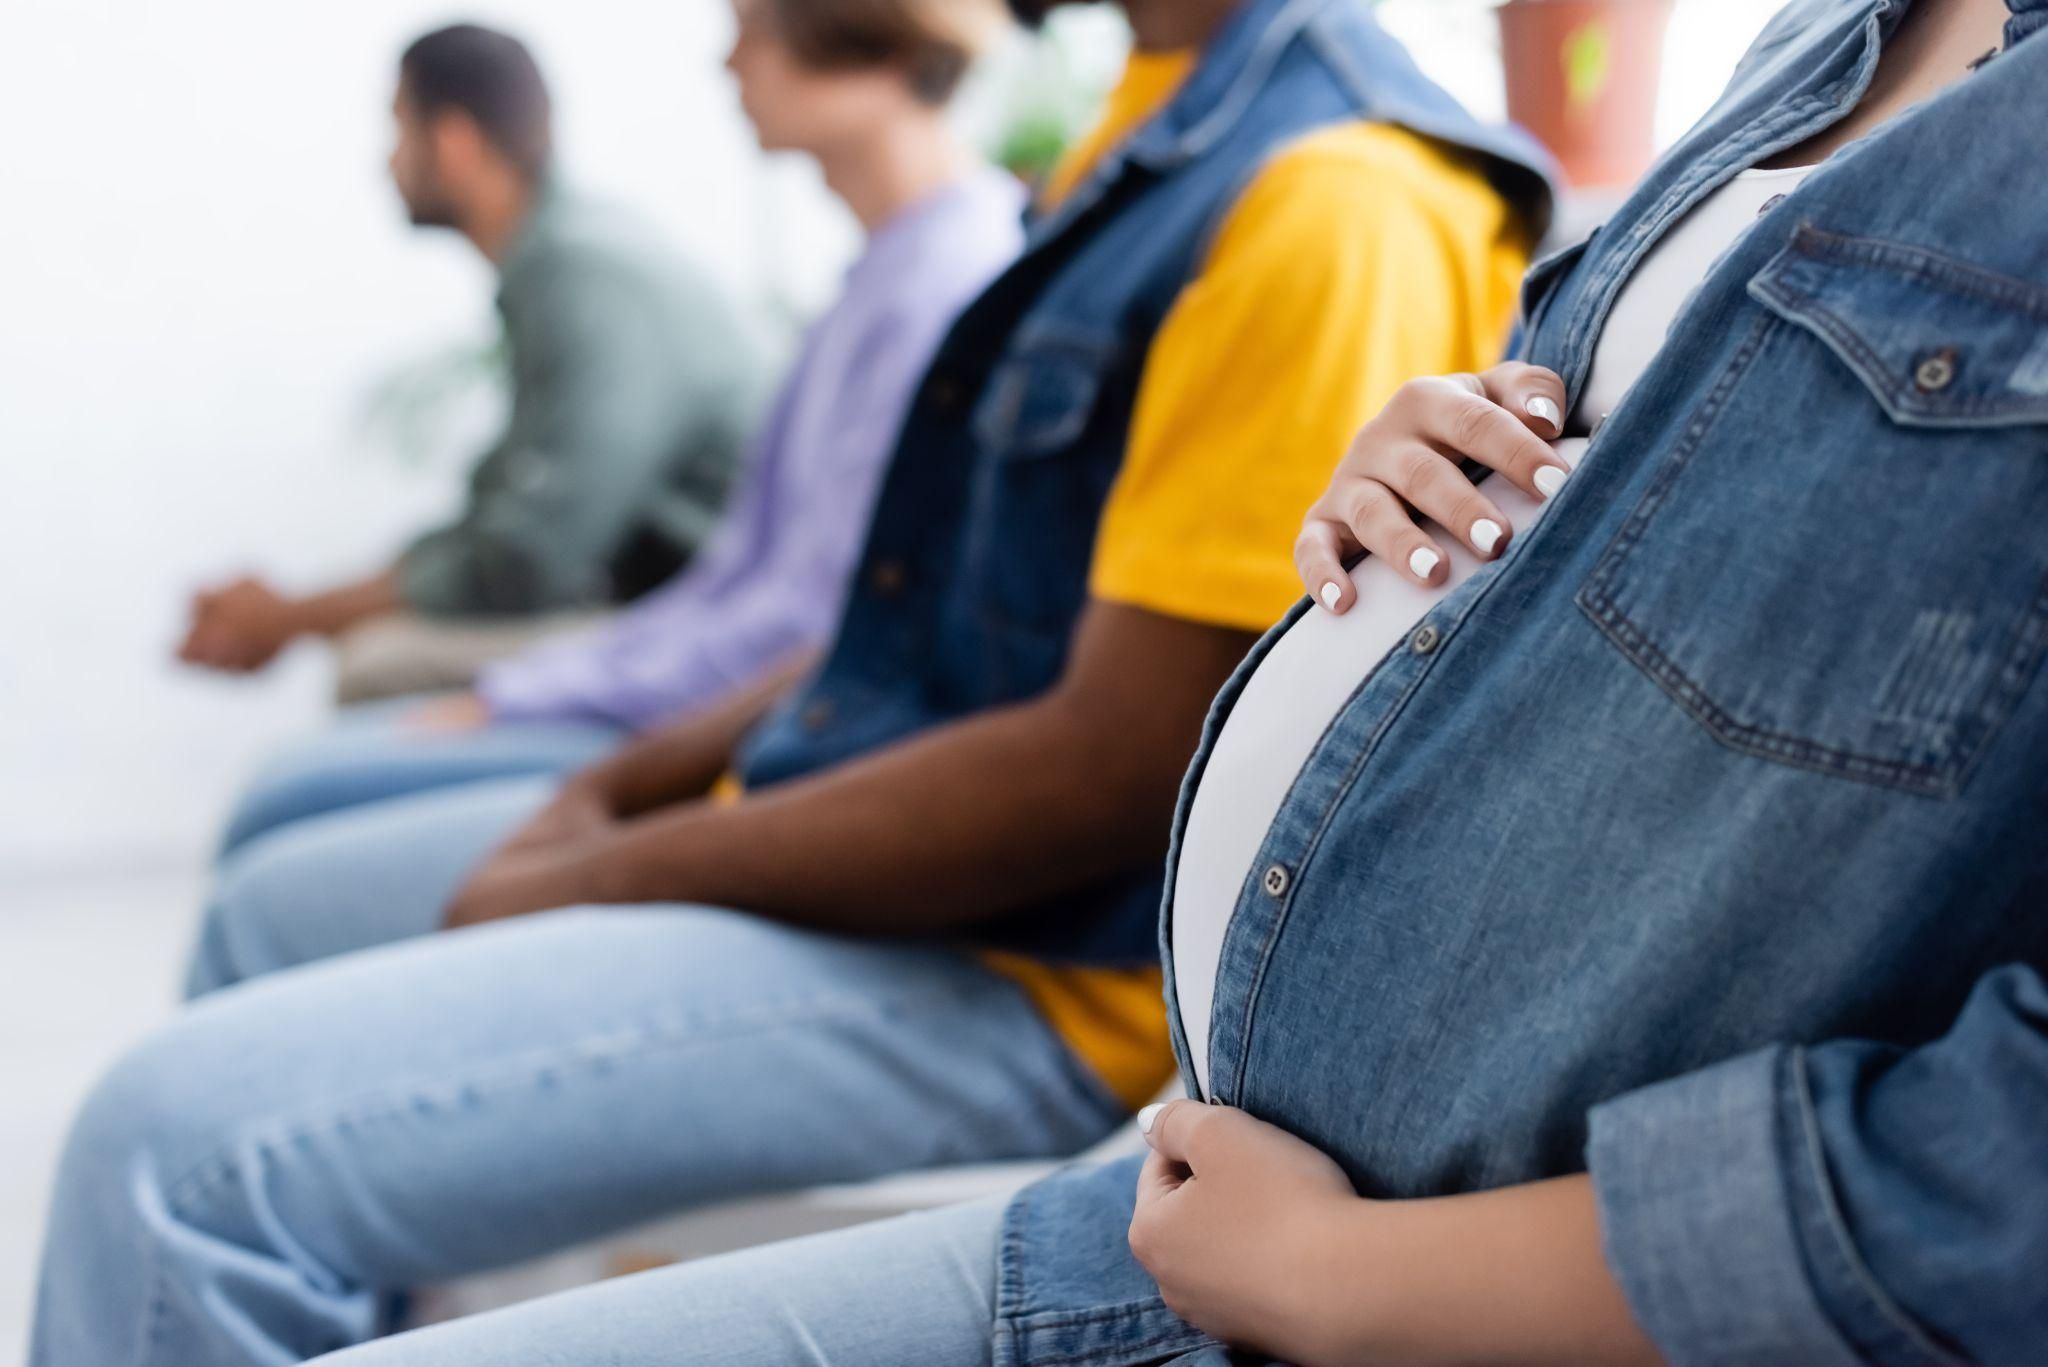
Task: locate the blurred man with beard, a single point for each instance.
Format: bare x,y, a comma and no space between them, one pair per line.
634,385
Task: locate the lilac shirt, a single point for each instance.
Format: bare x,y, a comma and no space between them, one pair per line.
773,578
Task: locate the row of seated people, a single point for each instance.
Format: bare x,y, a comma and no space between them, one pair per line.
1601,922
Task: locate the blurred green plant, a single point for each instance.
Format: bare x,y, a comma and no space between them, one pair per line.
1049,89
415,407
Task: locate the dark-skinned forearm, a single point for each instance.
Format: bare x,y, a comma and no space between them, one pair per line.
963,823
684,759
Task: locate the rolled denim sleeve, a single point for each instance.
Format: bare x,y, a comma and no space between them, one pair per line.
1847,1203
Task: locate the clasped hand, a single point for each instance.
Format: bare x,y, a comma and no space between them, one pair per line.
544,867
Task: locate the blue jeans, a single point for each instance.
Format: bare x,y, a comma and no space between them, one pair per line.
255,1181
371,754
915,1290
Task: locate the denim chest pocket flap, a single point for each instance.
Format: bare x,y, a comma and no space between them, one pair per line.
1042,393
1938,342
1838,564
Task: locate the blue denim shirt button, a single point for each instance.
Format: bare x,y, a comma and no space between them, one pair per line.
1425,640
1276,881
1936,372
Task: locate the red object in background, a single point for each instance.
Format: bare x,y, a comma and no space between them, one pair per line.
1582,76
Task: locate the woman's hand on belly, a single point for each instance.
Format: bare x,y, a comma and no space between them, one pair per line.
1259,1240
1233,1217
1404,468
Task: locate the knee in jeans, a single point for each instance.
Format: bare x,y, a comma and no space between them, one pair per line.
270,799
147,1125
254,890
169,1170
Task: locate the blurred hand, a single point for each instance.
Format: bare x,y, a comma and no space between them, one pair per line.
1405,467
455,713
580,812
1236,1220
543,866
240,627
519,883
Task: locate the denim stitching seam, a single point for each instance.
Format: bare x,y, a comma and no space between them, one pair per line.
1924,264
1832,1221
1807,308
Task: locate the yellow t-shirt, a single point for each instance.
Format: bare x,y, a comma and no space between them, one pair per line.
1362,256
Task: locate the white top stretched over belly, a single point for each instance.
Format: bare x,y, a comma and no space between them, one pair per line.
1286,705
1313,669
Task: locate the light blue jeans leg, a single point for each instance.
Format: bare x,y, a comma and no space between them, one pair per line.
251,1184
371,754
910,1292
352,880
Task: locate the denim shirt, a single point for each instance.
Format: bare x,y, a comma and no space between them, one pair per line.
975,571
1733,761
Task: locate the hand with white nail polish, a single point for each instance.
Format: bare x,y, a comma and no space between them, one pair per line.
1406,468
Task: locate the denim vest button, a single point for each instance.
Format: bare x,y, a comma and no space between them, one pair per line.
1276,881
1425,640
888,578
1936,372
818,715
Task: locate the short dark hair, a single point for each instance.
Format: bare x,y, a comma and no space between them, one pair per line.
491,77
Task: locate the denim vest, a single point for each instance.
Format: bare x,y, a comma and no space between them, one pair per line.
1743,743
976,566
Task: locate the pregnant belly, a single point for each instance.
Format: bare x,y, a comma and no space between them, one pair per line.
1301,685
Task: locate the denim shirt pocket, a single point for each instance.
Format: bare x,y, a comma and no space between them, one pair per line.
1042,392
1039,483
1794,577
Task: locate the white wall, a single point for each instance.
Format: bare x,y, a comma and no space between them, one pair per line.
202,275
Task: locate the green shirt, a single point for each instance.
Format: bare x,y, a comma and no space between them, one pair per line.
635,385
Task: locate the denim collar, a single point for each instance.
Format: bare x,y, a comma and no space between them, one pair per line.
1234,67
1376,70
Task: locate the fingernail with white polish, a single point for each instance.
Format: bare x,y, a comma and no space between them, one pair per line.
1332,595
1540,407
1550,479
1423,562
1148,1116
1486,534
